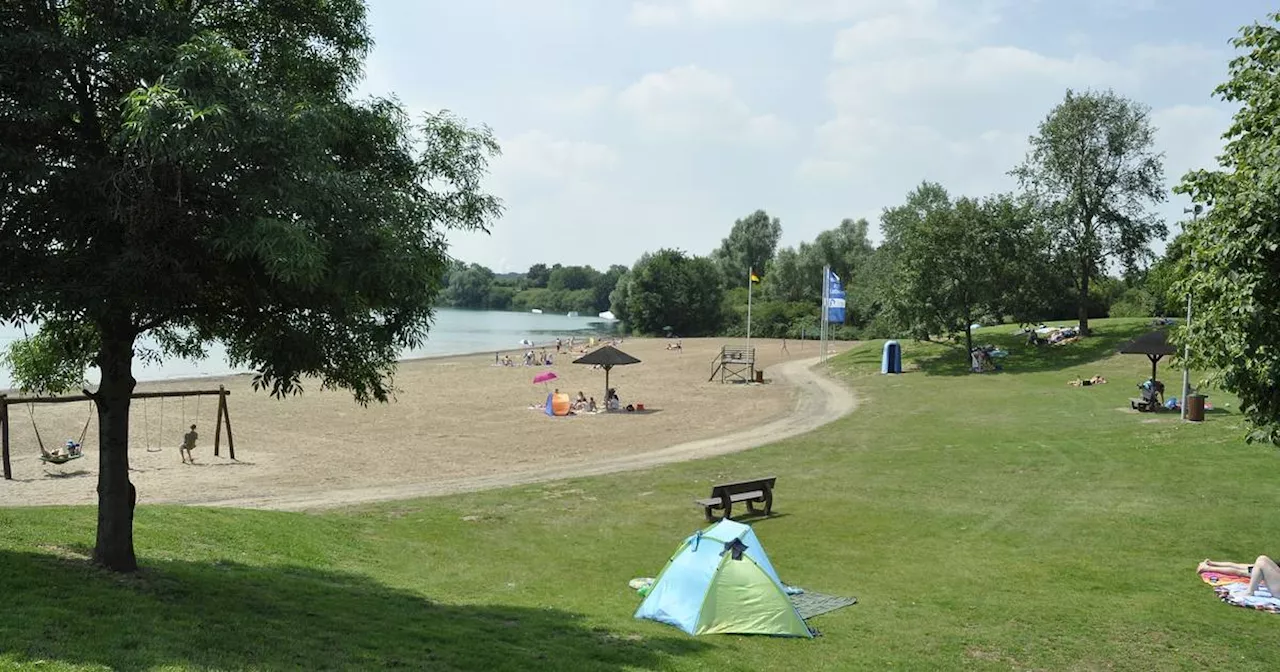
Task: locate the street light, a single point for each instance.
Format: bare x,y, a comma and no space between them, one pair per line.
1195,212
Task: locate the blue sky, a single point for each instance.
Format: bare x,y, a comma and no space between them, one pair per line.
628,126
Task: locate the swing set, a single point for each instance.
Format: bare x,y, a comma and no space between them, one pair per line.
74,448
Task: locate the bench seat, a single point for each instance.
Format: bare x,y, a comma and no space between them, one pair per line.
725,495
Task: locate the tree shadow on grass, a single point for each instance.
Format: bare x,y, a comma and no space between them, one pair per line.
179,614
1026,358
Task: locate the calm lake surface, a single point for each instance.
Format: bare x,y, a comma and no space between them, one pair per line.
455,332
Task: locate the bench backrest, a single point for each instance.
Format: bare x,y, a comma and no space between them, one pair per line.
730,489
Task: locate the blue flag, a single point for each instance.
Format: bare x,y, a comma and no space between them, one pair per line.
835,299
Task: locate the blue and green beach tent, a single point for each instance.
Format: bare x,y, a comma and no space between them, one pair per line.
720,581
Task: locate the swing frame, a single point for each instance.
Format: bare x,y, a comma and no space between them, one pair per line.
224,417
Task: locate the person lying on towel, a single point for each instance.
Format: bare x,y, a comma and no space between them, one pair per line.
1263,571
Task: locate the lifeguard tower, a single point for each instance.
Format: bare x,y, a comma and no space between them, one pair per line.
735,364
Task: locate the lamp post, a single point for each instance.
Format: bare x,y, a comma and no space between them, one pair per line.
1186,355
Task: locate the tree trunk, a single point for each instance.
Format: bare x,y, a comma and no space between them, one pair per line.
1083,308
968,342
116,495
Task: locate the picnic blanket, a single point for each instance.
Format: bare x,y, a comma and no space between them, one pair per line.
810,604
1234,594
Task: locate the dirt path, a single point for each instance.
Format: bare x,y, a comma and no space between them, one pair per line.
818,401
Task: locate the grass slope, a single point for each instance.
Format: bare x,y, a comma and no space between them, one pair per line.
995,521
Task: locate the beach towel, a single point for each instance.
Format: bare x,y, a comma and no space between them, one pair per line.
1216,579
1235,595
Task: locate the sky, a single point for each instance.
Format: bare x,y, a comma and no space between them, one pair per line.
627,126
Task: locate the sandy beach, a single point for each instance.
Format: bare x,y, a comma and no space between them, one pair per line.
454,420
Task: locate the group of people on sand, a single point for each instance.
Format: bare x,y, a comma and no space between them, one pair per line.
584,404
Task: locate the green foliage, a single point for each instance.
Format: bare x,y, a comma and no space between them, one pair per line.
1162,279
1233,265
538,276
750,245
573,278
555,300
671,289
1135,302
53,360
1094,170
199,171
469,287
955,262
796,274
619,297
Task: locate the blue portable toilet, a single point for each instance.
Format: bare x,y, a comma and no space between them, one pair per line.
891,361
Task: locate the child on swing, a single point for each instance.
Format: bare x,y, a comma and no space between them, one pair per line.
188,442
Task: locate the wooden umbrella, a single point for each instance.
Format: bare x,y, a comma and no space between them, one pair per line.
1154,344
606,357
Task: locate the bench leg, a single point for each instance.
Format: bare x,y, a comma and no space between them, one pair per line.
728,511
768,503
707,513
751,506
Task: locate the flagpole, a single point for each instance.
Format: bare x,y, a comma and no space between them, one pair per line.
750,271
826,289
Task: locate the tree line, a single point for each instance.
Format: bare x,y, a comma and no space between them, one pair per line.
1072,241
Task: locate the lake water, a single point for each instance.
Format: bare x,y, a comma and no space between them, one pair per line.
455,332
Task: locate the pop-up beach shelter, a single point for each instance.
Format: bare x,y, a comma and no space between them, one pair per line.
721,581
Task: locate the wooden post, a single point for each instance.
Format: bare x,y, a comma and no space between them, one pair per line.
4,437
217,424
226,415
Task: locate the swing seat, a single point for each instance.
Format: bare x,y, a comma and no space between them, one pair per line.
60,459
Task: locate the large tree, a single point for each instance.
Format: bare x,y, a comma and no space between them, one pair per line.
954,261
749,246
796,274
1232,255
199,171
669,288
1094,170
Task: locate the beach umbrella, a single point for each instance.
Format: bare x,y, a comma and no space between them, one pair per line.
1155,345
606,357
545,377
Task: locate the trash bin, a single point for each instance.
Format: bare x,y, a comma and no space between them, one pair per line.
760,376
1195,407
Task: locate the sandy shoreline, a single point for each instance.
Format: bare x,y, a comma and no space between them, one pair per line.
456,419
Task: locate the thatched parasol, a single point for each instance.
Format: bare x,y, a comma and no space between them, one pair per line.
1155,345
606,357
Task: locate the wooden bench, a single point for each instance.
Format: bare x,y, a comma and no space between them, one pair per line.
724,495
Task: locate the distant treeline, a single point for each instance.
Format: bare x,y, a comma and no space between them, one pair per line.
1043,253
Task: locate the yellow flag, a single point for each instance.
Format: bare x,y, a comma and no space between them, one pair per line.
754,277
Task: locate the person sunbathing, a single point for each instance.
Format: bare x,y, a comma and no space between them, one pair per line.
1263,571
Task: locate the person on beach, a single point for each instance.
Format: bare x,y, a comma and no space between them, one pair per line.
188,442
557,345
784,346
1263,571
591,405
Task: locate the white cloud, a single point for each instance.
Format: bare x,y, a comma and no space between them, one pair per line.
1191,137
584,101
908,26
674,12
538,155
689,101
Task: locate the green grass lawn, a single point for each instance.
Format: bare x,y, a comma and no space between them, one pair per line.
994,521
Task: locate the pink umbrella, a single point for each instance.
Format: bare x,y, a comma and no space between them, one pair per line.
545,376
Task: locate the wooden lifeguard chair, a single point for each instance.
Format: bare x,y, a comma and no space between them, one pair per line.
735,364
